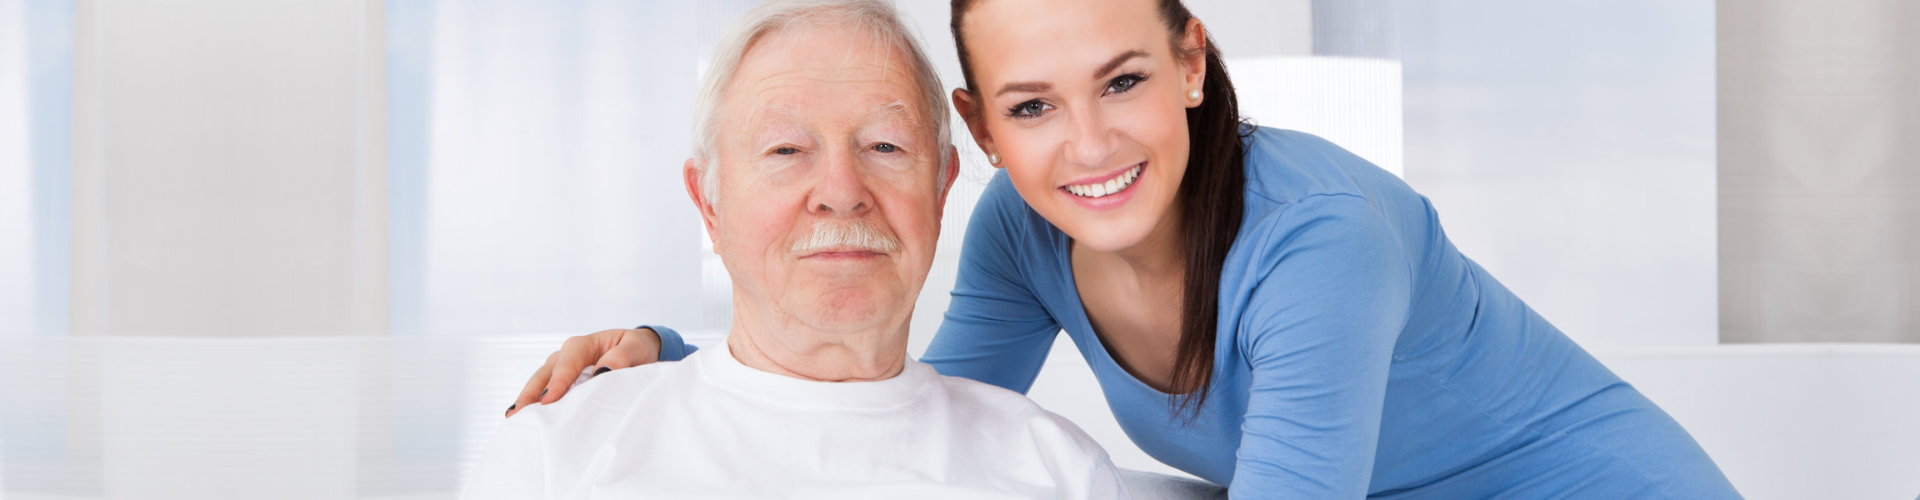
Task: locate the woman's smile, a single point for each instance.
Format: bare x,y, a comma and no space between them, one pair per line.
1105,191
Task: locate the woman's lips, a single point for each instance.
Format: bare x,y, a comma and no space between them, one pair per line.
1106,185
1125,183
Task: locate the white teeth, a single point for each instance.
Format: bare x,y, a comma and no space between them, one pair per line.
1100,189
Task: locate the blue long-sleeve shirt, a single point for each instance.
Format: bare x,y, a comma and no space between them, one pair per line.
1358,353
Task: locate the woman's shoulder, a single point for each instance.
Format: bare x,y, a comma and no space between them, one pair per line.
1001,217
1285,166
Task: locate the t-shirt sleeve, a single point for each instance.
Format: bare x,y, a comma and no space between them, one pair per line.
512,468
1080,467
1319,331
996,330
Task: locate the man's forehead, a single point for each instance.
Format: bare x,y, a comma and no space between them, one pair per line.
783,109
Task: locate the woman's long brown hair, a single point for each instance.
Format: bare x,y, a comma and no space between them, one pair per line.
1211,197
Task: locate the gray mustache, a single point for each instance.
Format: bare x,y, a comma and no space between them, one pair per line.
846,233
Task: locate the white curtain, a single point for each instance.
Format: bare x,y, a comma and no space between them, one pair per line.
1819,185
16,210
536,151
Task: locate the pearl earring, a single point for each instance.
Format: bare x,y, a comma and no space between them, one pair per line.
1193,95
993,158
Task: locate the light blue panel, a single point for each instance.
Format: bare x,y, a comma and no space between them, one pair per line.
50,123
1570,149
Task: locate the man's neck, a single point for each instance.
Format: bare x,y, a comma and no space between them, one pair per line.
794,350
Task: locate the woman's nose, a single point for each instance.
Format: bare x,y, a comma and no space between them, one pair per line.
1092,142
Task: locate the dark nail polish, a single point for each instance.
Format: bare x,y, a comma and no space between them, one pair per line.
510,408
543,393
602,369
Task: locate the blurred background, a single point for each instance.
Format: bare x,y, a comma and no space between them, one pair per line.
306,248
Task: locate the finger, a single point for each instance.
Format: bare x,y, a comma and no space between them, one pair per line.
620,356
531,392
573,356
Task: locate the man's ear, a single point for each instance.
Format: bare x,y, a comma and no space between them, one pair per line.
969,109
1194,42
953,172
690,174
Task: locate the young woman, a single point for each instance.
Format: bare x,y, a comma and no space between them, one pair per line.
1263,309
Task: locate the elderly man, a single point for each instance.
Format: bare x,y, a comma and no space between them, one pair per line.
821,171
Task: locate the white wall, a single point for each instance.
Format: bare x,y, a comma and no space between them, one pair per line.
228,176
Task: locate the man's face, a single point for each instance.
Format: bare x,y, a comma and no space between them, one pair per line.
820,135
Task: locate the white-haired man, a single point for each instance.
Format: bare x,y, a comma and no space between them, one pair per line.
821,171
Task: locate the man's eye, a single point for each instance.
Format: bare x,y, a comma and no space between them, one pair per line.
786,150
1124,83
885,148
1029,109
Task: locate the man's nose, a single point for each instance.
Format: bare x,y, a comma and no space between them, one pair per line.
1093,141
841,191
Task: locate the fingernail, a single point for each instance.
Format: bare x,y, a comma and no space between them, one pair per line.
510,408
602,369
543,393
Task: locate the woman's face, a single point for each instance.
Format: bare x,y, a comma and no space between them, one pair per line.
1085,102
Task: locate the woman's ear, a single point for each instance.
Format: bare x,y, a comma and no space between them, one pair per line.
1193,59
969,109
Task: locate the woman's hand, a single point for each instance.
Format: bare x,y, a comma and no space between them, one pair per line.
604,350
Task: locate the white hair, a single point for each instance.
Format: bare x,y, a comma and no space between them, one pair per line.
878,17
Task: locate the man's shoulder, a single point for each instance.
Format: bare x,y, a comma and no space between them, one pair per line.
1001,405
602,400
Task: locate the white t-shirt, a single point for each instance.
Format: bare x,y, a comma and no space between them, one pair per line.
710,427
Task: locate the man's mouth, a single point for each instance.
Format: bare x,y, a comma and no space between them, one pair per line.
845,252
1107,187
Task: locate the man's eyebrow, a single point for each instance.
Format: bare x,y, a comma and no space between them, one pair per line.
1117,61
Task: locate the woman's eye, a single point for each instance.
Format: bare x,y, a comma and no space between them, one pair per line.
1029,109
885,148
786,150
1124,83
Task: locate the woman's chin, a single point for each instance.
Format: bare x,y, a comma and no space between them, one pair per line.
1106,238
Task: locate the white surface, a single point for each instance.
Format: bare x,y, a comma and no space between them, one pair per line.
228,169
393,417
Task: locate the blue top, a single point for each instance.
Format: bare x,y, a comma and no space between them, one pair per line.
1358,353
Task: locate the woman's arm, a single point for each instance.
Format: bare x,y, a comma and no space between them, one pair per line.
996,330
1319,332
603,350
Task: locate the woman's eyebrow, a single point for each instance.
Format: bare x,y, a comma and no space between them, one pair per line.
1117,61
1044,86
1034,87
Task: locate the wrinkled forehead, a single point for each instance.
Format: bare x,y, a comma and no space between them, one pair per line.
829,74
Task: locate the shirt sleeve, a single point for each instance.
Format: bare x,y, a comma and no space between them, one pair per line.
512,468
1319,331
672,346
996,330
1080,467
